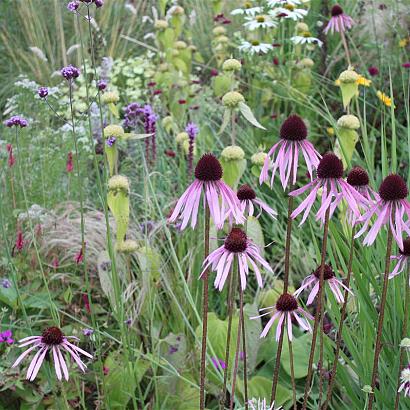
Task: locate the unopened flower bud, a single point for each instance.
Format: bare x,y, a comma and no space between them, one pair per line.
232,99
350,122
231,65
119,183
233,153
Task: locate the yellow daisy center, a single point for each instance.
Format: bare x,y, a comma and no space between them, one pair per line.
260,19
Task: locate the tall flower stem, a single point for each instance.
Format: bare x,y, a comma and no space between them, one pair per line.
378,346
233,130
204,311
238,347
12,188
346,47
292,374
231,299
318,310
341,323
245,367
403,335
285,289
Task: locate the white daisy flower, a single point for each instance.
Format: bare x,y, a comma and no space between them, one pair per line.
289,12
306,38
274,3
255,47
248,10
260,21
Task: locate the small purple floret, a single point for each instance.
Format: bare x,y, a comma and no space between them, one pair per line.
16,121
70,72
42,92
110,141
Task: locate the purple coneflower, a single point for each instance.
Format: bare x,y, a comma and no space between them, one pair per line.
6,337
247,253
52,340
208,180
286,307
339,21
293,135
373,71
402,259
70,72
390,208
42,92
314,279
248,201
335,188
16,121
405,381
192,131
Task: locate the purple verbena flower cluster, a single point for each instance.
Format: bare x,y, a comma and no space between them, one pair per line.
42,92
70,72
16,121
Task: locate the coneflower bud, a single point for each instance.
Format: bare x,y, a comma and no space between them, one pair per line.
208,168
393,188
358,177
232,99
293,129
119,183
350,122
231,65
233,153
330,166
236,241
327,272
286,303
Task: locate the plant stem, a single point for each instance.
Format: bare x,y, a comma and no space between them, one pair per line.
320,364
378,346
238,346
346,47
233,131
292,374
318,310
204,311
285,289
341,322
403,335
231,299
245,367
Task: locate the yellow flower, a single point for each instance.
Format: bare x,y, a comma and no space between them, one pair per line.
330,131
363,81
337,83
385,99
403,42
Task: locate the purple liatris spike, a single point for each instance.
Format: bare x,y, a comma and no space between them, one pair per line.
192,131
150,128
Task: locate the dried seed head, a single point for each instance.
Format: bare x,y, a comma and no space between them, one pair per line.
52,336
245,192
286,303
208,168
393,188
358,177
330,166
293,129
236,241
327,273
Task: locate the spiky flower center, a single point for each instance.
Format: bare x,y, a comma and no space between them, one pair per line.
307,34
52,336
260,19
358,177
393,188
247,5
245,192
208,168
330,166
289,7
406,247
236,241
327,273
255,43
293,129
286,303
336,11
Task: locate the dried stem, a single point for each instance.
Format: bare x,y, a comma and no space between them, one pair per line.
318,310
404,334
378,346
204,311
341,322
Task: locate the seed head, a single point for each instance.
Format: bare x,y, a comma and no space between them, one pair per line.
208,168
393,188
236,241
336,11
286,303
127,247
293,129
245,192
110,97
348,76
232,99
52,336
349,121
259,158
233,153
119,183
327,273
231,65
358,177
219,31
330,166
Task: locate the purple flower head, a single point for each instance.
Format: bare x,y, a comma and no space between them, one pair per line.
70,72
172,349
42,92
102,85
284,155
391,209
99,3
218,363
192,130
373,71
6,337
286,308
54,342
334,189
88,332
339,21
406,65
16,121
5,283
132,115
402,259
73,6
110,141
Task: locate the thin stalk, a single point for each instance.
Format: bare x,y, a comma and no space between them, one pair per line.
233,130
285,289
318,310
341,323
320,364
204,312
238,346
292,373
378,346
231,299
403,335
12,188
245,367
344,42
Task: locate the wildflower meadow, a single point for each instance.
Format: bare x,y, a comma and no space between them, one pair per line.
204,204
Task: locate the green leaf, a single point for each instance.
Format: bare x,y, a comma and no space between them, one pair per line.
248,114
348,90
130,136
225,121
233,171
260,387
104,267
119,205
114,110
149,262
222,84
346,144
8,296
112,157
254,232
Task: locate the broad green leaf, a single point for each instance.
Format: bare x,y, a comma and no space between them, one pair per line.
233,171
255,233
349,91
222,84
119,205
225,121
346,144
8,296
112,157
248,114
149,262
130,136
